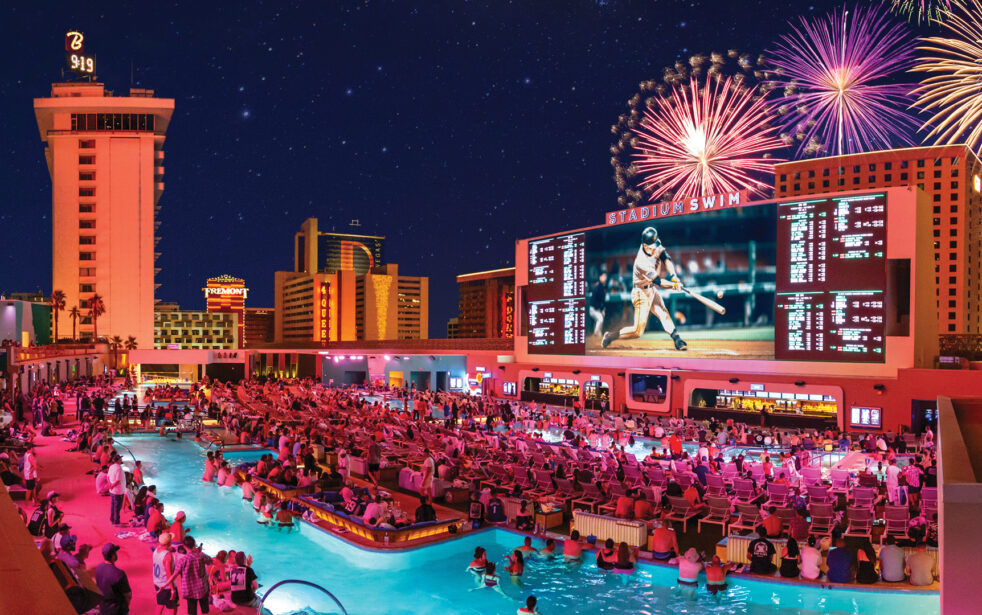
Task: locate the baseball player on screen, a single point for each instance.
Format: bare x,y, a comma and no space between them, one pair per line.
651,262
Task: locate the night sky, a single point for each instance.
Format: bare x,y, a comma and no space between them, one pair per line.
450,127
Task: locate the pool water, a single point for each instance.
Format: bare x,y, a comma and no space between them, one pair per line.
433,579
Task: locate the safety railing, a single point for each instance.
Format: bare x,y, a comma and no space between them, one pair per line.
262,601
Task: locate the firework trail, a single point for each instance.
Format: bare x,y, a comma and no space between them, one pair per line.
952,91
708,138
931,11
837,76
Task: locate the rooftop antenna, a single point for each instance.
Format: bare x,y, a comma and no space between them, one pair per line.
355,223
131,73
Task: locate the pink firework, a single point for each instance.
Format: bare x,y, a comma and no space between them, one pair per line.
707,138
839,77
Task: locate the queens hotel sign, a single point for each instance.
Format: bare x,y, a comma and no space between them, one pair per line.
675,208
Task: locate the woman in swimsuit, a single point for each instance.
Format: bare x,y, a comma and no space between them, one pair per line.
479,563
516,566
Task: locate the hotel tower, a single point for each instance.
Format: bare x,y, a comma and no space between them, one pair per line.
106,160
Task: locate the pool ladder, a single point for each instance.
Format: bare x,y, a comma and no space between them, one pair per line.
259,609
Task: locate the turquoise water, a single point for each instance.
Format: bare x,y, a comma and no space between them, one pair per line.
433,580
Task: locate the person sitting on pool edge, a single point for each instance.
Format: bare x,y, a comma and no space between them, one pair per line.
664,542
761,552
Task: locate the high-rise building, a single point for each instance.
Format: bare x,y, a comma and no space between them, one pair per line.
344,306
486,304
105,157
340,289
258,328
453,328
952,176
316,251
227,294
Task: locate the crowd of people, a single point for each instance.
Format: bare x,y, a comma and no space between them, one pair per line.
456,439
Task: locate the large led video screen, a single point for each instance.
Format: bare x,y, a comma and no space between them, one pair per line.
795,280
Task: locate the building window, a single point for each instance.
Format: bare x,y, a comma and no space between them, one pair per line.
855,181
811,173
937,199
954,172
811,185
86,159
872,178
86,177
887,177
86,240
86,272
904,164
825,183
86,191
920,164
903,177
937,162
937,174
952,244
86,288
887,165
953,232
937,232
842,182
855,168
954,185
920,175
872,167
937,210
951,328
826,172
86,209
86,224
797,187
953,220
953,268
86,256
954,209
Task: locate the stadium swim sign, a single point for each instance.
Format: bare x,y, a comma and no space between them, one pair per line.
675,208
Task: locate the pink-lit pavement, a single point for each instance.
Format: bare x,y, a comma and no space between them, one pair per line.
88,515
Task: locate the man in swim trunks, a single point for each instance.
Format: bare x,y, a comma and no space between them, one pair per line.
716,575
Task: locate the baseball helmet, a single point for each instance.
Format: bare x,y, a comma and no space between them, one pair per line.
649,236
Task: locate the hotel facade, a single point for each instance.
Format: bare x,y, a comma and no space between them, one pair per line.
106,161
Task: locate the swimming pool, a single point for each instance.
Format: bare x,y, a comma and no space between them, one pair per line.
433,580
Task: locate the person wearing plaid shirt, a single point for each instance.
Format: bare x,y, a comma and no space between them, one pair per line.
193,573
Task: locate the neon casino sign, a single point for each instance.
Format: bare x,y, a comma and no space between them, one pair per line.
75,57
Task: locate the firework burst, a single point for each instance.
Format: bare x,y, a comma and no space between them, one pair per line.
952,91
837,78
741,71
708,138
925,10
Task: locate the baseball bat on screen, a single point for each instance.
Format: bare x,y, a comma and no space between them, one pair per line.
719,309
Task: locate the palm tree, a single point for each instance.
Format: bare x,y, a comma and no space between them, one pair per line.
75,314
115,342
96,309
130,343
57,305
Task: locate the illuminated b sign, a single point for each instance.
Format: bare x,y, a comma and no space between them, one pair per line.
74,42
74,54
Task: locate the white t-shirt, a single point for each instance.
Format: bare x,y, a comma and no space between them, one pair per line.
811,560
893,472
30,466
116,477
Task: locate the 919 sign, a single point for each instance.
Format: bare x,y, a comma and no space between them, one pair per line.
81,64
